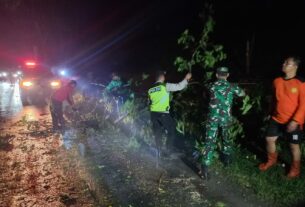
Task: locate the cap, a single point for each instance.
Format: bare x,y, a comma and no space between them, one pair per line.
222,71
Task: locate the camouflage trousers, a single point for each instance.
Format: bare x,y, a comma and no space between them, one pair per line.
212,139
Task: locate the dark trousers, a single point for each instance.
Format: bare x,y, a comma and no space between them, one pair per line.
163,122
57,115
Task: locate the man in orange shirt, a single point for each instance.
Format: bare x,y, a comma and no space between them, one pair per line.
288,116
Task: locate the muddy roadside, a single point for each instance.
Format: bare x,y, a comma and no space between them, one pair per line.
134,177
36,170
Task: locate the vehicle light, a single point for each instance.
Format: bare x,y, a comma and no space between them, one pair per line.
4,74
30,63
27,83
19,73
15,75
62,72
55,83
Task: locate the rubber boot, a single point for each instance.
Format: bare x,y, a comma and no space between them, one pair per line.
272,159
295,170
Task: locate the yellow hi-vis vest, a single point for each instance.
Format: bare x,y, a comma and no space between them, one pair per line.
159,98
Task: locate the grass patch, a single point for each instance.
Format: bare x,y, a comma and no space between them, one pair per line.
271,186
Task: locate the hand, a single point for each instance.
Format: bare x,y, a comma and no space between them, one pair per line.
268,118
292,126
188,76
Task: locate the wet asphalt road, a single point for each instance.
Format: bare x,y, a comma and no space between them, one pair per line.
35,169
11,107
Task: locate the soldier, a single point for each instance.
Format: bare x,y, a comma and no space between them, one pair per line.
219,117
288,116
159,108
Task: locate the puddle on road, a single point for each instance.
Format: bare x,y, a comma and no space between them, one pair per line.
11,107
69,138
10,103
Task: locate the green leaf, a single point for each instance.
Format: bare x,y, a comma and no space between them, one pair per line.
246,109
144,76
186,39
203,52
209,75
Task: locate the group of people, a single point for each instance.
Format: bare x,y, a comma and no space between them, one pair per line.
65,93
219,114
286,118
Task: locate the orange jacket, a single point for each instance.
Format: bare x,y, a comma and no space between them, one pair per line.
289,100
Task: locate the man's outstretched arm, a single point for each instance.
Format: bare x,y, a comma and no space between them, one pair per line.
171,87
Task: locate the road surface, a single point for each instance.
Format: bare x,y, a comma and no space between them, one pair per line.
34,169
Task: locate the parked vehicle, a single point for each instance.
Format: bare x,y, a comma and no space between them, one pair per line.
37,83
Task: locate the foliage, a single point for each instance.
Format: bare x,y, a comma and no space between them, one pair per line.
112,114
199,150
133,143
190,113
183,115
203,53
254,99
247,105
236,130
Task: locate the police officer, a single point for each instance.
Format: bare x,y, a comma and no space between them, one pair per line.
219,117
159,95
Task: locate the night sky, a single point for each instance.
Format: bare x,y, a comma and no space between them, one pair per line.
133,36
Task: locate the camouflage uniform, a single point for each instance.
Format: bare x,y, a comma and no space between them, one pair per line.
219,117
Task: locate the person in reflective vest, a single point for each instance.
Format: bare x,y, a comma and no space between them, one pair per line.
159,95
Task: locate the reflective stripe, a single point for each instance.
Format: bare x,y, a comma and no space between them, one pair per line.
159,98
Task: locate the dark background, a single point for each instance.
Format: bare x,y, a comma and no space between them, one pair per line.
134,36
